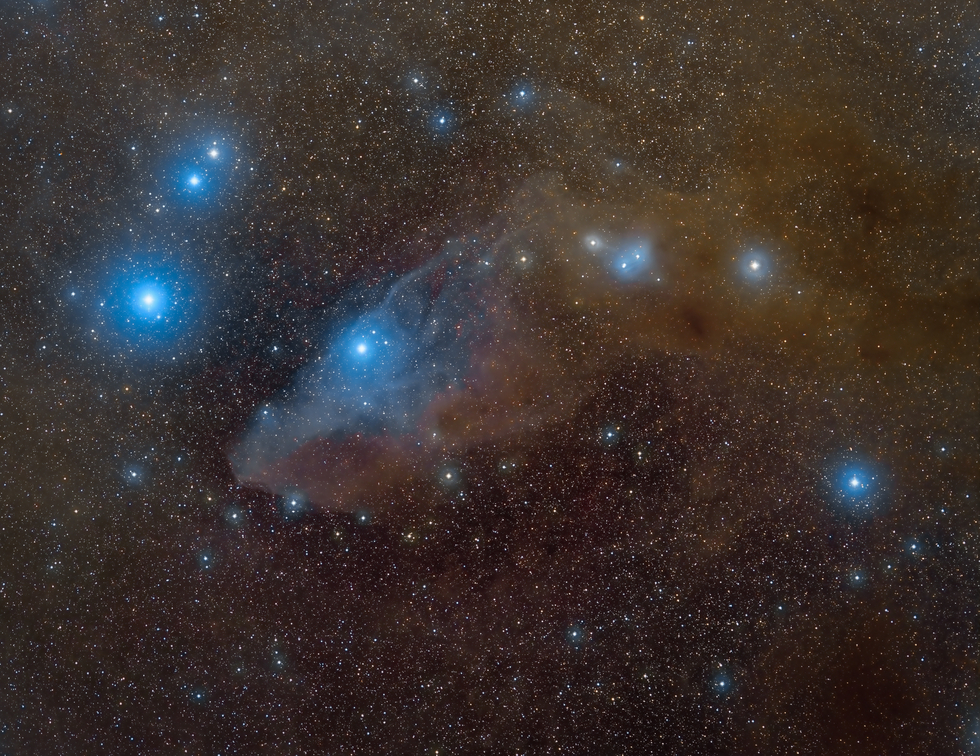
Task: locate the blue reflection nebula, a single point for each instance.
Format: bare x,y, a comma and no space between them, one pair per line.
381,372
442,122
368,349
149,303
855,485
756,265
857,482
150,300
521,96
631,260
195,182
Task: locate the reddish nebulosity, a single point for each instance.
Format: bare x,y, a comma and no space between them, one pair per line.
350,473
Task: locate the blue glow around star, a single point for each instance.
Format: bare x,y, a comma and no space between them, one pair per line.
632,260
292,507
367,350
150,300
722,683
854,485
522,96
857,482
442,121
148,303
609,436
234,516
575,635
381,371
856,579
755,265
196,182
135,475
627,259
199,171
617,165
450,478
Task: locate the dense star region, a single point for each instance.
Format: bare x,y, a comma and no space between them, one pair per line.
489,378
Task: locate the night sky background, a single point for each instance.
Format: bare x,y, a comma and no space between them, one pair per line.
515,377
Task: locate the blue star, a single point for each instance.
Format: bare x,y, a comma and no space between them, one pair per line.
367,349
609,435
857,482
148,303
234,516
134,476
199,173
149,300
442,122
756,265
855,486
292,507
522,96
722,683
575,635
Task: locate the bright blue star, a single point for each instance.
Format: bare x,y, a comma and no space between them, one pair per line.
858,482
148,303
855,486
150,300
199,172
756,265
196,184
575,635
292,507
609,435
368,349
522,96
442,121
721,680
134,476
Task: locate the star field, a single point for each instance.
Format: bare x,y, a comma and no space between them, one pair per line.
519,378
